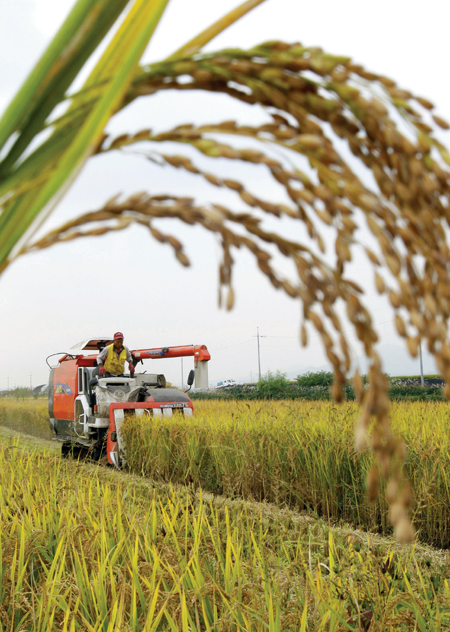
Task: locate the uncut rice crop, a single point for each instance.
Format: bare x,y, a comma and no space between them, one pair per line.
295,453
26,416
300,454
83,548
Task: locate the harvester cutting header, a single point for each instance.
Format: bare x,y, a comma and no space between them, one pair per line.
90,394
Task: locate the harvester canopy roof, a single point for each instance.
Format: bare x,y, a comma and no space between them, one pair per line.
93,344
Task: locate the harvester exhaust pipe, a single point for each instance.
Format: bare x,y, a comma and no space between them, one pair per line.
201,374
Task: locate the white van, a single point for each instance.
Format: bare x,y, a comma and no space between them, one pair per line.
226,384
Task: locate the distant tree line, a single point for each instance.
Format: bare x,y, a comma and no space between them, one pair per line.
317,386
24,392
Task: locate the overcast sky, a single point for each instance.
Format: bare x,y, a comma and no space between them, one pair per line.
128,282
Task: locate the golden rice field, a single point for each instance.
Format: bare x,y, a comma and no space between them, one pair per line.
84,548
29,416
299,454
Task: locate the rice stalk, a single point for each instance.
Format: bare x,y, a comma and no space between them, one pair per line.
312,99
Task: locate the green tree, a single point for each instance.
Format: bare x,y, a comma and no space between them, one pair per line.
317,378
272,385
20,392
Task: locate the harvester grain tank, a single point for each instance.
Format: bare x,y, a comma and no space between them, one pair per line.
86,410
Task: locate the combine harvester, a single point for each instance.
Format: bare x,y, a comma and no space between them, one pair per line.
86,410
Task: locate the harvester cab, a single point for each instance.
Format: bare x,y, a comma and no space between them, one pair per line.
86,409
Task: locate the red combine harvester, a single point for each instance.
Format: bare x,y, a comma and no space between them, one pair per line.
86,410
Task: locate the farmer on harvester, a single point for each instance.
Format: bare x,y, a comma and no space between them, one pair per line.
111,360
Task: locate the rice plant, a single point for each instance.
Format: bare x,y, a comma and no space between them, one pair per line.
295,453
301,454
312,99
29,417
84,548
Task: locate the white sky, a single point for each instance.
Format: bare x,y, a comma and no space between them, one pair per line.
50,300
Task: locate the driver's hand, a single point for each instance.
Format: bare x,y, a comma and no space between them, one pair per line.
132,369
102,370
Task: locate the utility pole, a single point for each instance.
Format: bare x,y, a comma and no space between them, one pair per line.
182,378
259,354
31,382
422,383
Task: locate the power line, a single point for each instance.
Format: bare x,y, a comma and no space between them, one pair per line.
238,344
391,320
244,342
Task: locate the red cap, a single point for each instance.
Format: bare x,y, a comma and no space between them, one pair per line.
117,335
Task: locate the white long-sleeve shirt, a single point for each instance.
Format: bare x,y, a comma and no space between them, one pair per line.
104,354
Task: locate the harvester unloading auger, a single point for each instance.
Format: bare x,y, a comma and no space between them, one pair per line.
86,409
